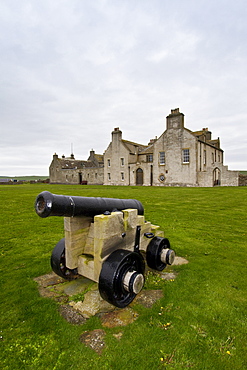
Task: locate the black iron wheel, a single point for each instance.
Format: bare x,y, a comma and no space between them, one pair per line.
58,263
121,277
155,259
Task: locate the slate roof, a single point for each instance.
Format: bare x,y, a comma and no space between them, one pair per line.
70,164
134,148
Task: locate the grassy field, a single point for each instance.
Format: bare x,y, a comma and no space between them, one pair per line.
205,305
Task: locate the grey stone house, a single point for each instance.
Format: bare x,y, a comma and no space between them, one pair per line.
71,171
179,157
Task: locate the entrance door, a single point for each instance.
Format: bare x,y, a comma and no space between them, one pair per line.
80,178
216,177
139,176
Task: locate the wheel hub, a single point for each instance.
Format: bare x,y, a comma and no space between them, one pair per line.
133,282
167,256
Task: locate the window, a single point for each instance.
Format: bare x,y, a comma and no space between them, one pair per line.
204,157
109,176
96,175
149,157
122,161
122,176
186,156
108,162
162,158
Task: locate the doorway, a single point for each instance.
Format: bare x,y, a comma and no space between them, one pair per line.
151,175
139,176
80,178
216,177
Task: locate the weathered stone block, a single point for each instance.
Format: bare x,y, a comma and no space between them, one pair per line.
89,245
86,267
156,230
106,226
76,223
76,234
130,219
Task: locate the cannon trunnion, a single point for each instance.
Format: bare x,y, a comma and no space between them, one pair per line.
105,242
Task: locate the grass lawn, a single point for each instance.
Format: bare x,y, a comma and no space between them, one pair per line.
205,306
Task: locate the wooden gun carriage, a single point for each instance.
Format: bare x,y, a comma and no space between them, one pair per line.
105,240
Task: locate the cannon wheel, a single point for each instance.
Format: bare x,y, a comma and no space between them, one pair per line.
58,263
153,253
113,274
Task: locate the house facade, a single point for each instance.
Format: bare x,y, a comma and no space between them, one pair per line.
68,170
179,157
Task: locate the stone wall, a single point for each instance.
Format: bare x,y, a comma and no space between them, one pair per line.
229,178
172,142
93,176
242,180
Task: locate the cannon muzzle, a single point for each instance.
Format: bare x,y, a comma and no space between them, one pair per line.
48,204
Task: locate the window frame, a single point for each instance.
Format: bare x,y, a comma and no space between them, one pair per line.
186,156
149,158
163,155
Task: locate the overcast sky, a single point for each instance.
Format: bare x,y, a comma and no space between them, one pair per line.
72,70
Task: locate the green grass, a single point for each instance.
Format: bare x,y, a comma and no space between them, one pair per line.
201,323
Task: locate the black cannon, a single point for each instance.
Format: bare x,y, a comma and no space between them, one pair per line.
48,204
105,240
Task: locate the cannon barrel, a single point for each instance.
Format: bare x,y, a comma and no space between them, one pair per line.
48,204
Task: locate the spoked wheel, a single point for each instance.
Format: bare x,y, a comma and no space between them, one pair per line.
58,262
159,254
121,277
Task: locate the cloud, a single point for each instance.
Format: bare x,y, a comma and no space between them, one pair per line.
71,71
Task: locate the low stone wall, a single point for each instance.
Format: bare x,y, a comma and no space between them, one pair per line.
242,180
11,182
